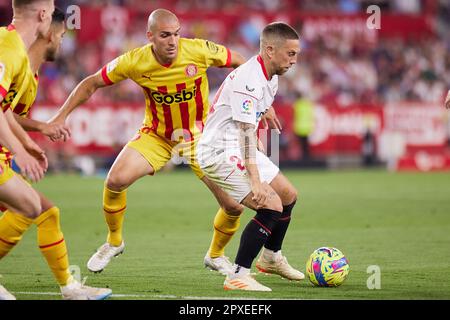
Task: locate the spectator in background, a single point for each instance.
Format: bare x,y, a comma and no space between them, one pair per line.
303,124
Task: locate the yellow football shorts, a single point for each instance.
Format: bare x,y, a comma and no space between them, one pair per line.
158,151
6,172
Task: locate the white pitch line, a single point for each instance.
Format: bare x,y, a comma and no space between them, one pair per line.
157,296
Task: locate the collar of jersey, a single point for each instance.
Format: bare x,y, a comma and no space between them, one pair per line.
263,67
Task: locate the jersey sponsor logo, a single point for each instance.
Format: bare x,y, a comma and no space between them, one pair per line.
112,65
2,71
212,47
179,97
249,89
191,70
247,106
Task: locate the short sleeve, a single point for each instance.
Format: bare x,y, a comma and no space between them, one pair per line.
243,108
216,54
118,69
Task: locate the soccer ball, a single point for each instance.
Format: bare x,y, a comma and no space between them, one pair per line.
327,267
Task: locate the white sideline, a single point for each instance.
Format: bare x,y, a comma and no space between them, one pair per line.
155,296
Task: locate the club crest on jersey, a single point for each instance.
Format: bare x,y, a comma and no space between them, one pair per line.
191,70
247,106
2,71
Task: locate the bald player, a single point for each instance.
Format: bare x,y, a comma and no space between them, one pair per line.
172,74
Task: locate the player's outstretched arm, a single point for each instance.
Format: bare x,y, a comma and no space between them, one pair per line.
54,131
83,91
447,100
236,59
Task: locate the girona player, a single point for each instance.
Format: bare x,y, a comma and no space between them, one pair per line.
172,74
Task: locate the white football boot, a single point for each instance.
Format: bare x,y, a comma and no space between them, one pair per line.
279,265
5,294
220,264
244,282
103,256
78,291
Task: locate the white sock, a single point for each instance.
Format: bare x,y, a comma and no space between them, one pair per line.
271,255
239,271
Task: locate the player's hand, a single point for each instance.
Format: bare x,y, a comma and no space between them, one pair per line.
447,100
29,166
260,194
34,150
56,131
270,120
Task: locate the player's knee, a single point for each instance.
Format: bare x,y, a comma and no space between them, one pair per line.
233,209
288,195
116,182
292,195
31,207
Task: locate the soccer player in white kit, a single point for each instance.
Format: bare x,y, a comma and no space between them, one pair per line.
228,154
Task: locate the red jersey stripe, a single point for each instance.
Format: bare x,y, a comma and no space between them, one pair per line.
105,77
155,120
11,27
3,92
19,108
167,115
6,107
199,104
184,111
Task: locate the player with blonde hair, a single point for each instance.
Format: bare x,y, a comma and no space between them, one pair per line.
13,223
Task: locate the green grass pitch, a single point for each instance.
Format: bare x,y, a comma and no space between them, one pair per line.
399,222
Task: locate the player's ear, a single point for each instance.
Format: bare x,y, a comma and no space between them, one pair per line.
150,36
270,51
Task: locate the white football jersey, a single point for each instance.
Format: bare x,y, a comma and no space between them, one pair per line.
244,96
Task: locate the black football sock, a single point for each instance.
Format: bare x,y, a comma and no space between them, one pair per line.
255,235
275,240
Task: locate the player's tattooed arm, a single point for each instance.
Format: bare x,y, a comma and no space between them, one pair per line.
248,143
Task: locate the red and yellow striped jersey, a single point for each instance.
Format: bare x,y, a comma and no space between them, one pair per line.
14,67
18,86
22,105
176,95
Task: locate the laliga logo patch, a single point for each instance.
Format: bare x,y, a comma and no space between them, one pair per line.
2,71
191,70
247,106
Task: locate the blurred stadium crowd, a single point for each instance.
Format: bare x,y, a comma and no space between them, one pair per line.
337,68
331,68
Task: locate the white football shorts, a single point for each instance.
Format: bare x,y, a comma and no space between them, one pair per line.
228,171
